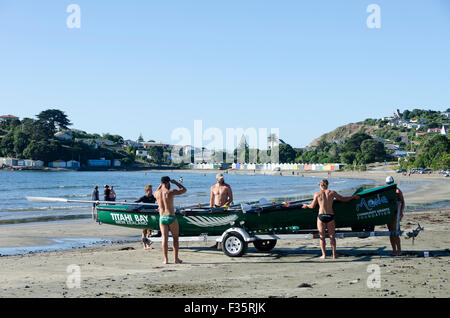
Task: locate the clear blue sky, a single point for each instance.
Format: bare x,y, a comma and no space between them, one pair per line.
305,67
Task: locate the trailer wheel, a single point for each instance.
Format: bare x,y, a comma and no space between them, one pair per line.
233,244
265,245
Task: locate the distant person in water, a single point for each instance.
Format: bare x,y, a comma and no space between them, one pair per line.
395,239
112,194
147,198
95,196
180,179
221,193
167,219
325,218
106,193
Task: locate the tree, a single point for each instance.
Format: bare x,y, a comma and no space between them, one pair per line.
348,157
157,154
286,153
353,144
7,145
372,151
21,141
140,138
54,118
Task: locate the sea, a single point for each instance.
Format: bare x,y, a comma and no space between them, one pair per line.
16,186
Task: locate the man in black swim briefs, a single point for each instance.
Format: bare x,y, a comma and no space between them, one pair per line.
325,218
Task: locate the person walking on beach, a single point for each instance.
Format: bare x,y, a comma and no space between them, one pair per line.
112,194
221,193
167,219
147,198
325,218
395,239
95,196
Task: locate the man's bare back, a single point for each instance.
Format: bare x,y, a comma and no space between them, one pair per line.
164,196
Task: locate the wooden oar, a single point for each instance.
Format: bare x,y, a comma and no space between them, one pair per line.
62,200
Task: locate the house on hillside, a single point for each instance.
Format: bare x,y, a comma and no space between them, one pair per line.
434,130
444,130
7,118
63,136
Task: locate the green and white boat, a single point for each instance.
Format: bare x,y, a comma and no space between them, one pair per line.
376,206
262,222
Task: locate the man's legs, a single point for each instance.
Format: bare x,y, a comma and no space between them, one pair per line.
174,229
321,228
393,239
164,241
331,226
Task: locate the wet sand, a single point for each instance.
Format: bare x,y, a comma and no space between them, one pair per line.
292,269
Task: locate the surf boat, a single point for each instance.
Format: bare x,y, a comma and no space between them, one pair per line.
260,222
376,206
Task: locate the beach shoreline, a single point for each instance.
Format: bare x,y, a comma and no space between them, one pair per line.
122,268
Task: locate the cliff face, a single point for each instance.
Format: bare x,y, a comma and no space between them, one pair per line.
343,132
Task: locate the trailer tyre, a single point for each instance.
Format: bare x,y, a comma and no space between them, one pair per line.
265,245
233,244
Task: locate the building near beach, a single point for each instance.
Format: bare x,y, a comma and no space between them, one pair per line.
58,164
99,163
73,164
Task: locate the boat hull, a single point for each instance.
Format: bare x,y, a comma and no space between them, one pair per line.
375,207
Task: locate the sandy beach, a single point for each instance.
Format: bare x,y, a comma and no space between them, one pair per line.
292,269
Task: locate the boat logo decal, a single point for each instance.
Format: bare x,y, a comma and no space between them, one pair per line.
129,219
208,221
371,203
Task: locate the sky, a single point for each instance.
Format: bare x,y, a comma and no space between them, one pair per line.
152,67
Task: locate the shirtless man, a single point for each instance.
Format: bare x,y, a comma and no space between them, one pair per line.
325,218
395,239
167,219
221,194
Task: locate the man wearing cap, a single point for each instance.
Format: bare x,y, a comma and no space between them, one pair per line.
395,239
325,218
221,194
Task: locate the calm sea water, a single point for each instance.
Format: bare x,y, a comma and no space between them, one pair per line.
15,186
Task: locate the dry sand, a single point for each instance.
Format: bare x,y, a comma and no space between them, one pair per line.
291,269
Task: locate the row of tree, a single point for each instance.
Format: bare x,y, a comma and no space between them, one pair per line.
35,139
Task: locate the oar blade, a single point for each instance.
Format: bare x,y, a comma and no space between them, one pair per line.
45,199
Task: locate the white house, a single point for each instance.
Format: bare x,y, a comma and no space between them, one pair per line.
141,153
63,136
444,130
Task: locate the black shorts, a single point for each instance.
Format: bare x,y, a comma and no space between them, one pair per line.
325,218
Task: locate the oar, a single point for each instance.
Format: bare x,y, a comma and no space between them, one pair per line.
62,200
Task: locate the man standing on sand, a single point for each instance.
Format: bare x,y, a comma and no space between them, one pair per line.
167,219
221,194
325,218
95,196
395,239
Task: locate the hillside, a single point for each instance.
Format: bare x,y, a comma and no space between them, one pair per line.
341,133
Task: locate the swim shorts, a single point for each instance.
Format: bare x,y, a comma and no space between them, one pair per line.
167,219
325,218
